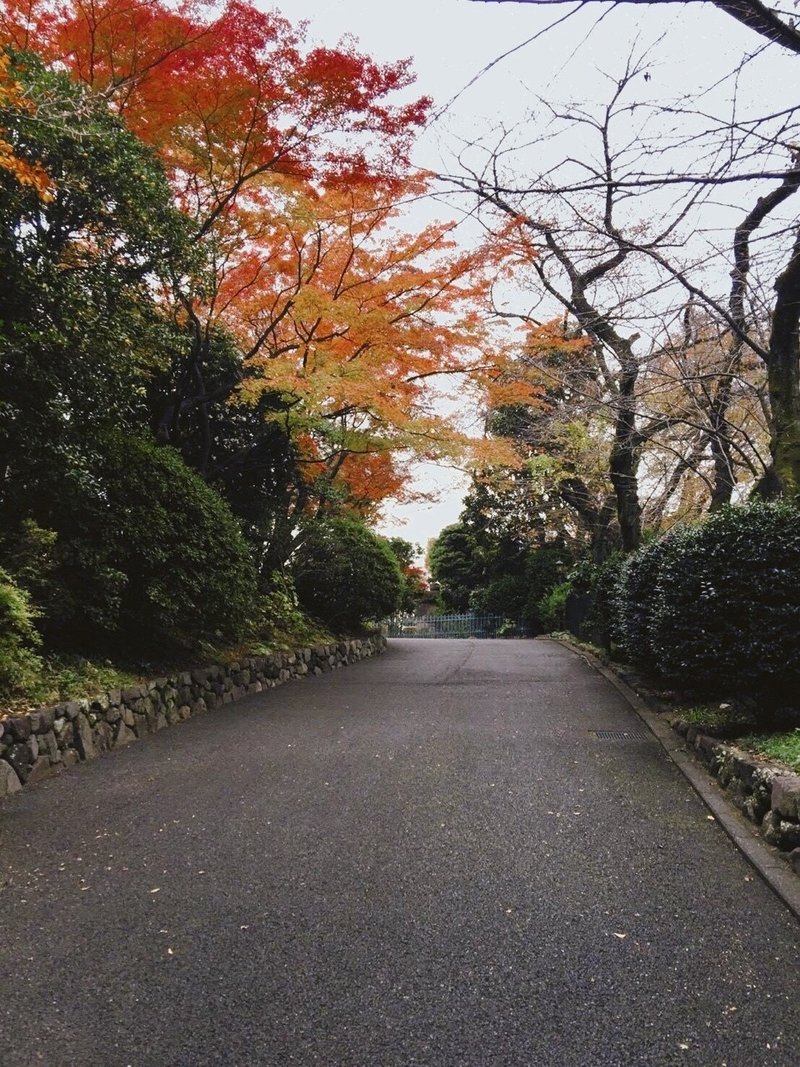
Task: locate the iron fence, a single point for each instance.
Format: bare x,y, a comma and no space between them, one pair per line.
466,625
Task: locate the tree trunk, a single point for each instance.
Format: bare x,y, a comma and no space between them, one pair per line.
784,382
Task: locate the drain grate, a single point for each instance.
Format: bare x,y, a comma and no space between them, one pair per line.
620,735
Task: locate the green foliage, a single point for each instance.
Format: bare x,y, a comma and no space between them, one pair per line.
636,598
545,570
282,622
505,595
19,663
344,574
717,605
600,584
145,552
551,609
414,586
455,566
81,326
783,747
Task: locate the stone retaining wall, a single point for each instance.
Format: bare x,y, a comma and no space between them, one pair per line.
768,795
44,742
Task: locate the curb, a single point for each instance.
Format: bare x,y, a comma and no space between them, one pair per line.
783,882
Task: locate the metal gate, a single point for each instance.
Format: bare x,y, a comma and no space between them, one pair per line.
466,625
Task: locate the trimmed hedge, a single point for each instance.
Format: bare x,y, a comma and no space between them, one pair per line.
144,554
345,575
717,604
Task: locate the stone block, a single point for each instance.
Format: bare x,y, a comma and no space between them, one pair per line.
19,727
133,693
788,834
123,735
49,745
84,738
744,768
771,827
103,736
9,779
19,756
786,795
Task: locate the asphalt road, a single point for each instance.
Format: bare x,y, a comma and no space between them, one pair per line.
426,859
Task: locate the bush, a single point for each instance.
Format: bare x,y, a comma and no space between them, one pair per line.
545,570
145,553
345,575
717,605
552,608
633,600
599,585
505,596
18,662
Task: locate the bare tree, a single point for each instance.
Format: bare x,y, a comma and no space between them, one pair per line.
770,22
753,160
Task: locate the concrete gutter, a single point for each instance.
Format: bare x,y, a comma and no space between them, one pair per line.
766,861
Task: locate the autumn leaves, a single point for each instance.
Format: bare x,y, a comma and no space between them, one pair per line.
292,164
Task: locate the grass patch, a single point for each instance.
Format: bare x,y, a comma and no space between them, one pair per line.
726,717
783,747
68,677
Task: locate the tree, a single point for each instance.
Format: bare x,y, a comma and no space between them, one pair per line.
13,99
415,586
81,324
348,319
345,575
239,110
672,377
754,153
770,22
455,566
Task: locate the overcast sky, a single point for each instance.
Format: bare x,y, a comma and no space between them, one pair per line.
452,41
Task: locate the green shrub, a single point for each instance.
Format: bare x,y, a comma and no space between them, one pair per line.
146,553
18,638
505,595
726,604
551,609
345,575
600,584
633,600
544,571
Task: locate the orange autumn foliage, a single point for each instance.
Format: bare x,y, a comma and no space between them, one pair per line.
292,161
351,319
12,98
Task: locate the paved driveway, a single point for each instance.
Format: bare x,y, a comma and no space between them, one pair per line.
427,859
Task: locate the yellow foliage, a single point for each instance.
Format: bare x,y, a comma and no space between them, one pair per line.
12,97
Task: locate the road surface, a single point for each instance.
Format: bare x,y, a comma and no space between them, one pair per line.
429,858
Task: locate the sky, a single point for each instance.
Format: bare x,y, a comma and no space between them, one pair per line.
452,42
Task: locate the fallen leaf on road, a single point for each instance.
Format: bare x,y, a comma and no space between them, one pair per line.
620,936
156,890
